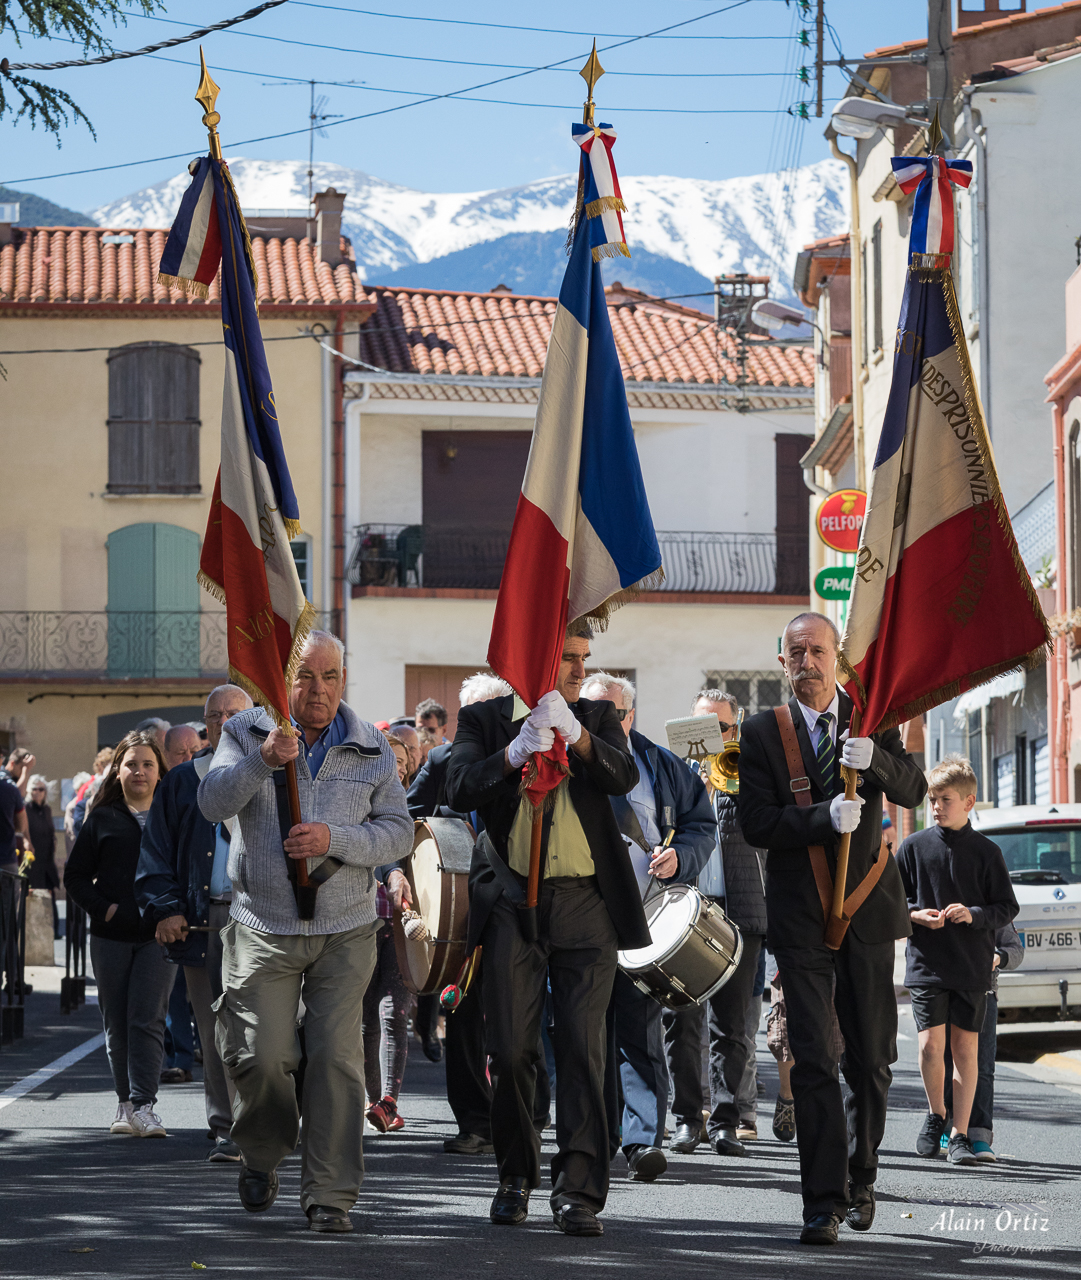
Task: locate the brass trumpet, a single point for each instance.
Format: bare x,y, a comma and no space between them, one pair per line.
724,766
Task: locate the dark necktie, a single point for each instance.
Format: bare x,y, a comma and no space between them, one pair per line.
825,750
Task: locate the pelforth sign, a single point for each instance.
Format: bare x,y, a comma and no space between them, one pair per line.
839,519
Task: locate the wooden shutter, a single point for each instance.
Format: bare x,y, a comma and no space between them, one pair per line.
153,601
471,483
793,515
153,419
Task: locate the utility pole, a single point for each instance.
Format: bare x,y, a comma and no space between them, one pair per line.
820,35
939,76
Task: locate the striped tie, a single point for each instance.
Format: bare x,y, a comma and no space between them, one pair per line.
825,751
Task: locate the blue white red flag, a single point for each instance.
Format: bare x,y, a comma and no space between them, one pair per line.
583,540
941,599
246,561
933,179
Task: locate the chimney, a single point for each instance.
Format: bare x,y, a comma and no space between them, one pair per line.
9,215
328,225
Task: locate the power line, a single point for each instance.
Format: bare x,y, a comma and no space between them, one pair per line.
437,97
503,26
150,48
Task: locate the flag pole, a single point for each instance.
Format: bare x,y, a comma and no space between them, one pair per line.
590,73
835,929
206,95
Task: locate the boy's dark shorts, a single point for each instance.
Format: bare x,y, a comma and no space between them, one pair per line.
935,1006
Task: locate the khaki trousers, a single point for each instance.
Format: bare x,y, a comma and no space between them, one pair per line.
204,987
263,978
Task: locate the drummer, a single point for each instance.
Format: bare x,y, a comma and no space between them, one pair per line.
589,905
670,832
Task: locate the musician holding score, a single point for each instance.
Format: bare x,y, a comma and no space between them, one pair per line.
589,904
792,803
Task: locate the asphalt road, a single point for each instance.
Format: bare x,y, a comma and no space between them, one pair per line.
78,1202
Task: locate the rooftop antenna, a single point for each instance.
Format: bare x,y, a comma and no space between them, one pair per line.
316,116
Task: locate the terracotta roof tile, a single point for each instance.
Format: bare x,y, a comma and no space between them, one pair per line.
506,335
1004,20
64,265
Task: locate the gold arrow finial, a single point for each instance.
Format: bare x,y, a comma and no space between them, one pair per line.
206,95
591,73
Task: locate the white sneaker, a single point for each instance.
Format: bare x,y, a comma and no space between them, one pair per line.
122,1123
145,1123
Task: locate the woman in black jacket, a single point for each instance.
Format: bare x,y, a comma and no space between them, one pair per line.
134,980
39,817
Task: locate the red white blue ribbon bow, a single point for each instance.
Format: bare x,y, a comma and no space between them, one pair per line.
933,179
598,190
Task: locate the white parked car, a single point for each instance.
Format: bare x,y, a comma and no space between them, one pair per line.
1042,848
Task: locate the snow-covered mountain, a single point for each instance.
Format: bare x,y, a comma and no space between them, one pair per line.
754,224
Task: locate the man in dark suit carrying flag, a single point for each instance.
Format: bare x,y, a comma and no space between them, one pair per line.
941,602
552,889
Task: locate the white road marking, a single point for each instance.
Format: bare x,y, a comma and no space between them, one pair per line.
14,1092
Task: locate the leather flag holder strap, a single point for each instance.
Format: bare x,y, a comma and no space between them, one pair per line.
801,789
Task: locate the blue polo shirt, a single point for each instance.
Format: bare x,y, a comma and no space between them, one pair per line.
332,736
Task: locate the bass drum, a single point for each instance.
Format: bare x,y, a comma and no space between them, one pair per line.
695,949
438,875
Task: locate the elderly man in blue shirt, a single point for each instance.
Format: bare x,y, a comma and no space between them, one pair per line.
355,820
667,796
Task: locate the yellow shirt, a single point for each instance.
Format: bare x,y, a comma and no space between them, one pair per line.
568,849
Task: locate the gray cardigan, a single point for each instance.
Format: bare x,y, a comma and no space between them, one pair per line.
356,793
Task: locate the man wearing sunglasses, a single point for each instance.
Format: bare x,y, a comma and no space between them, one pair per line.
670,832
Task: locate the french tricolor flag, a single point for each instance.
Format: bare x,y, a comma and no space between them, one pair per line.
246,561
941,600
583,540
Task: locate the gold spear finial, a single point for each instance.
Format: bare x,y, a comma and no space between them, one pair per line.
591,73
934,135
206,95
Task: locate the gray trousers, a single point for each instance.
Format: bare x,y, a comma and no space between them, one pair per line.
262,977
134,984
204,987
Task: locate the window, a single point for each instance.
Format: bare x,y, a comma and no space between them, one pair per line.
863,302
1004,788
793,510
1073,504
302,557
153,419
753,690
1041,772
876,259
153,601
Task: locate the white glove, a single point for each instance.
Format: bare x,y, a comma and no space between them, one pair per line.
856,752
845,814
532,737
552,711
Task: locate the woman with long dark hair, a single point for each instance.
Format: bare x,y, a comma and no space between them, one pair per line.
134,980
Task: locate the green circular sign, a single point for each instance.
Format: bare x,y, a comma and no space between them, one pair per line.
834,584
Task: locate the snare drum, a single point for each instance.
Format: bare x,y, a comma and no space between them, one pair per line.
695,949
438,875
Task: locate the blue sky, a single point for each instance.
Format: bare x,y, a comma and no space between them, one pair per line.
707,100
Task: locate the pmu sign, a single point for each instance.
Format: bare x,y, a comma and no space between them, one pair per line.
839,519
834,584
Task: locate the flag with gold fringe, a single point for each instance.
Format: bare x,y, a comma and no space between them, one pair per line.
246,562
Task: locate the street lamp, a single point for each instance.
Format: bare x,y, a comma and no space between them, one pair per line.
771,315
863,117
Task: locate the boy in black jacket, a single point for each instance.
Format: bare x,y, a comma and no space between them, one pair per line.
959,893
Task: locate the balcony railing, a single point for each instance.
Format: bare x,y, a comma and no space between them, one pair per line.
113,644
397,555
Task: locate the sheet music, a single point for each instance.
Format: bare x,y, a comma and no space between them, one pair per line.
692,737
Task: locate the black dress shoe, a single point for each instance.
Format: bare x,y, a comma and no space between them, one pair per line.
861,1212
433,1049
821,1229
577,1220
510,1205
323,1217
686,1139
258,1191
727,1144
468,1144
646,1163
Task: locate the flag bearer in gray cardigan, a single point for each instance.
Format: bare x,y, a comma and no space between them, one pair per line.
355,819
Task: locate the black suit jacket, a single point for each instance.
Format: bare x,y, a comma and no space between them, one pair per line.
427,796
475,781
771,819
